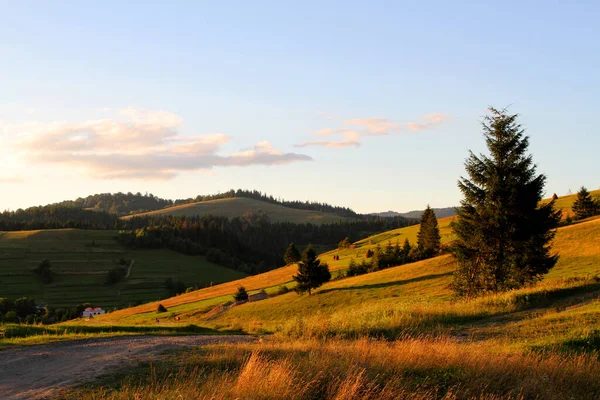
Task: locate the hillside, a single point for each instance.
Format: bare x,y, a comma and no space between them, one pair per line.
238,206
81,260
416,214
564,203
577,245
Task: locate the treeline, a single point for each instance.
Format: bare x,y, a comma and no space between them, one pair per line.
252,243
119,203
25,310
56,217
135,203
257,195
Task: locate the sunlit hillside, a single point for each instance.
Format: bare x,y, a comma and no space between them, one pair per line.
238,206
420,288
564,203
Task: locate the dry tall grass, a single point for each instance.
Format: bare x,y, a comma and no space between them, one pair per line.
425,368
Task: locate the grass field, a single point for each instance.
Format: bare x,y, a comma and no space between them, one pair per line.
564,203
80,261
540,342
395,333
238,206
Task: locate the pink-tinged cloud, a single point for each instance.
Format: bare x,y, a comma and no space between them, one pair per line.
147,145
375,126
330,143
430,121
325,132
370,127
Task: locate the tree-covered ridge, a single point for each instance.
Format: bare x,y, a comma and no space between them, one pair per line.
56,217
250,243
257,195
119,203
136,203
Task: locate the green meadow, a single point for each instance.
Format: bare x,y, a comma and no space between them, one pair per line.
80,262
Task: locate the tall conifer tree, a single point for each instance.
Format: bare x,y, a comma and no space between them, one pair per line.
428,238
504,235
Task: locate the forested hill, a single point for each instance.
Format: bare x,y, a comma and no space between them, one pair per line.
439,213
129,203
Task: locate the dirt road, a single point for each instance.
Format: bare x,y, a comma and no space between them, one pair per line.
37,372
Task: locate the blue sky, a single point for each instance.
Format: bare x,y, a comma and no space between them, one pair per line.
198,97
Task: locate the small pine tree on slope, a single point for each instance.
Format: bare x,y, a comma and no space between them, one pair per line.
292,255
503,234
311,272
428,238
585,206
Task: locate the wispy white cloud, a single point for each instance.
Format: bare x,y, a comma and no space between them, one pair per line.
355,128
429,121
142,144
375,126
350,140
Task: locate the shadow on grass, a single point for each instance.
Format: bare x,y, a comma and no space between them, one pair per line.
387,284
23,331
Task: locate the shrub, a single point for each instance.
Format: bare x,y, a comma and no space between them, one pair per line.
11,317
115,275
160,308
241,294
280,290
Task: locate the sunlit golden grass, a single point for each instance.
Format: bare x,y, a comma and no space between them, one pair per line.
412,368
421,285
564,203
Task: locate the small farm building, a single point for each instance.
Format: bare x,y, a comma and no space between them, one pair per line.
92,312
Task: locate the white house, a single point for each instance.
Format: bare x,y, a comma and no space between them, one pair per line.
92,312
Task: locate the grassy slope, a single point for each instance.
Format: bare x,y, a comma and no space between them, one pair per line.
449,349
409,294
80,268
236,207
564,203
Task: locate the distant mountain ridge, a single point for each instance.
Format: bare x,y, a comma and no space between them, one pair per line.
416,214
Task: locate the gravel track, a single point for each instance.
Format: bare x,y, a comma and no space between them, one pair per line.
39,371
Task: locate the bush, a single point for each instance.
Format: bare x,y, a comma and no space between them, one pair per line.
280,290
44,270
11,317
115,275
160,308
344,244
241,294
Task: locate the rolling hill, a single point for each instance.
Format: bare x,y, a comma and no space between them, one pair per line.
564,203
81,260
416,214
425,282
238,206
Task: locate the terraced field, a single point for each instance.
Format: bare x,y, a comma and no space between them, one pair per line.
81,260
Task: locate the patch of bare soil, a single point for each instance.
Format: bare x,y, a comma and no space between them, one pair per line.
38,372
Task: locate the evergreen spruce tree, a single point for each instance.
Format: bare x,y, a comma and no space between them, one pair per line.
428,238
585,206
504,235
311,272
241,294
292,255
406,250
